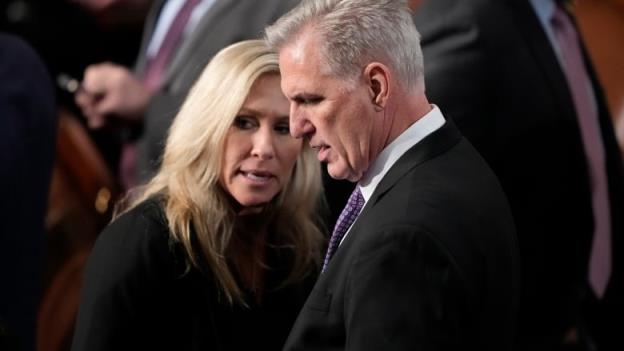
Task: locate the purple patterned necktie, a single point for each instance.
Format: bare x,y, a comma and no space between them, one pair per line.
347,217
579,83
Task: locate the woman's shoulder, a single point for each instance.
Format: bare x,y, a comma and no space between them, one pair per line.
141,234
127,280
148,212
141,222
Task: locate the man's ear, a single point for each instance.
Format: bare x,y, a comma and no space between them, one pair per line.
377,77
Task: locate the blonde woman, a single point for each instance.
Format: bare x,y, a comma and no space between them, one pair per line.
215,251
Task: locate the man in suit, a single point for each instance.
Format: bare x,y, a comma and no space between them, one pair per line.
27,139
500,69
145,102
430,261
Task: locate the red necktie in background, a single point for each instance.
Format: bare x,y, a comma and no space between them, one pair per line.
156,67
587,115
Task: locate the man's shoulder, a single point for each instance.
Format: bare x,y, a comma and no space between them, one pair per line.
452,192
455,170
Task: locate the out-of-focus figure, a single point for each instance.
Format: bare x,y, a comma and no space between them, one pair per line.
516,78
27,139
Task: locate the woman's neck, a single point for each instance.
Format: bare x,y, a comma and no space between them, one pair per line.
251,232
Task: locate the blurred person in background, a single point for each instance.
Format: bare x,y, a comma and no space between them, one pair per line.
27,139
180,37
515,77
69,35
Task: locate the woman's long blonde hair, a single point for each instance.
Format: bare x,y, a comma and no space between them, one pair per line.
187,182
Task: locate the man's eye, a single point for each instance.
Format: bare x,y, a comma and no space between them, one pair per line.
282,128
314,100
244,122
305,100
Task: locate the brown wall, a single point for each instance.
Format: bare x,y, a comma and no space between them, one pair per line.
602,26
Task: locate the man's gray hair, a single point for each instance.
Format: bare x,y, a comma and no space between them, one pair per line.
355,32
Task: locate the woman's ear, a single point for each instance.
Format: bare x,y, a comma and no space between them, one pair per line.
377,77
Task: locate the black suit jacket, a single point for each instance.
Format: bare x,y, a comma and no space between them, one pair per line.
491,68
429,264
137,295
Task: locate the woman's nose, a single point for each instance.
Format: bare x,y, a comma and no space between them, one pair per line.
263,144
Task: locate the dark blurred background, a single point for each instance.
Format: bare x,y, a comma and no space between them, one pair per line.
69,35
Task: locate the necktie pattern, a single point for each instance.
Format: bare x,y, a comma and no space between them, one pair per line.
580,89
347,217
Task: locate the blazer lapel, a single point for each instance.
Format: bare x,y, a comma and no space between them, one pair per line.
434,144
148,31
196,38
545,57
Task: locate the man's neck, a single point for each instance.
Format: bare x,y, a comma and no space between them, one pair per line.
405,110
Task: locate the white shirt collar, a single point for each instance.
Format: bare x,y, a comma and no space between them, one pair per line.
545,9
426,125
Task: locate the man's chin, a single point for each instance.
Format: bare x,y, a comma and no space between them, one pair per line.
341,173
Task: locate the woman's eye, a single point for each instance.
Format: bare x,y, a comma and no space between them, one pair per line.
282,128
242,122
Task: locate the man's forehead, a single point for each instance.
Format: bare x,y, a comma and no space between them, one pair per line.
298,64
296,52
301,49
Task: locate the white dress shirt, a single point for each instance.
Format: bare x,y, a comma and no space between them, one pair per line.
426,125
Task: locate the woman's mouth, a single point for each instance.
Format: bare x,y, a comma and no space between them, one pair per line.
257,176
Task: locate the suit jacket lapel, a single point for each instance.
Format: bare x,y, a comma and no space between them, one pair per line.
148,31
545,56
197,37
434,144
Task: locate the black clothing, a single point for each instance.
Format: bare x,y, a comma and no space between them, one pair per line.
137,296
27,138
491,67
429,264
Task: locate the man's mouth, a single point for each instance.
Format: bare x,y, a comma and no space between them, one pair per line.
322,152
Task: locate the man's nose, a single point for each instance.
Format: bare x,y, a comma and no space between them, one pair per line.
300,125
